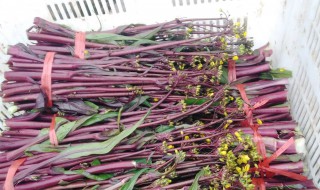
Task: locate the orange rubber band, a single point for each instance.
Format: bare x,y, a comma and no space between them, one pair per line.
79,44
46,77
8,184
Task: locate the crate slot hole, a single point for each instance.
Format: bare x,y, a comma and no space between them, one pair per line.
51,13
65,10
108,6
87,7
94,7
80,9
101,7
180,2
318,170
173,3
123,6
72,10
58,11
316,160
116,6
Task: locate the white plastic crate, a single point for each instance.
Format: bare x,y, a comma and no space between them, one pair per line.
291,27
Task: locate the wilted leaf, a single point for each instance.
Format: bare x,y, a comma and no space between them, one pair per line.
76,106
135,102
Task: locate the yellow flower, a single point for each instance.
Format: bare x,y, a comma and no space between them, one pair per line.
189,29
228,185
221,62
155,99
245,34
229,121
186,137
259,122
237,24
225,147
239,170
86,52
246,168
208,141
237,134
199,66
222,39
237,36
243,159
281,70
223,153
170,147
235,58
171,123
210,94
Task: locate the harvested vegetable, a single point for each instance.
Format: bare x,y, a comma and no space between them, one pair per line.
164,106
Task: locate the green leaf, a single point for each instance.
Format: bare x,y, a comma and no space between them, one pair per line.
179,49
148,104
288,157
92,105
195,101
95,162
224,76
135,102
43,131
276,74
119,118
148,34
110,38
195,185
96,187
101,147
141,160
63,183
107,100
99,117
97,177
47,147
130,184
164,128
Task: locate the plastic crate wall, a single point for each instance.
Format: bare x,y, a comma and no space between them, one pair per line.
292,28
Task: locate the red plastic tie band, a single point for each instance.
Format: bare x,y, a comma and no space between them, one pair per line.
52,132
259,184
46,77
80,44
8,184
264,167
248,109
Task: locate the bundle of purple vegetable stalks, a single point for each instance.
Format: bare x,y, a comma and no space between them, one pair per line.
150,107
